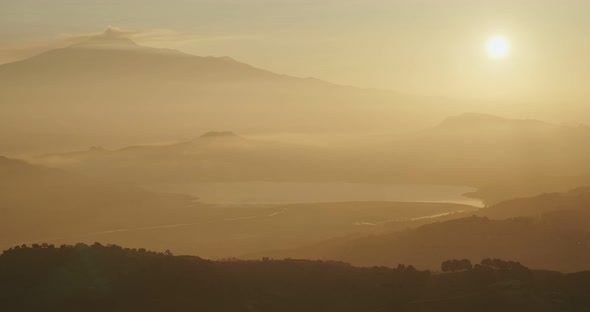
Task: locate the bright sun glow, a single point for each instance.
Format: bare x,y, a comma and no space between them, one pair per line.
498,47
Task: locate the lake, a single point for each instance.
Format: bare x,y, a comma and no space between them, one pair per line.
260,192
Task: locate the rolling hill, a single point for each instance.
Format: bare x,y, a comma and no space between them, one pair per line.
99,278
56,206
471,149
552,232
214,156
504,158
43,203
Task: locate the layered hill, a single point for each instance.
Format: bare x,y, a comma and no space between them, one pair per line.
542,206
114,92
214,156
552,233
472,145
504,158
43,203
101,278
55,206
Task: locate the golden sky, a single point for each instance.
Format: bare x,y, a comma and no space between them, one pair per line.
424,47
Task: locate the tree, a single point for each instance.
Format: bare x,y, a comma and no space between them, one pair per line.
455,265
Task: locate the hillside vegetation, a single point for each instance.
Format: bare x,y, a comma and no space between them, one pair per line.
112,278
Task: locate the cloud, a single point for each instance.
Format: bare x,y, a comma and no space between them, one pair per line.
172,38
160,38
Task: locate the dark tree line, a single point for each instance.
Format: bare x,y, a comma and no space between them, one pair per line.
455,265
95,277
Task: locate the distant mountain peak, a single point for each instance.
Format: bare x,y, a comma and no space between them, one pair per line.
109,39
219,134
478,120
96,149
477,117
113,32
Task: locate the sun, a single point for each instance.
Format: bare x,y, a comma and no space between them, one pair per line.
498,47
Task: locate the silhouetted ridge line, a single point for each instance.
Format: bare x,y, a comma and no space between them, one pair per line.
112,278
219,134
477,120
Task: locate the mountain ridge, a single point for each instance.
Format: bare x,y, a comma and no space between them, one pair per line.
537,240
140,89
489,121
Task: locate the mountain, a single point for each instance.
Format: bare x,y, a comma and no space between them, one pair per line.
524,240
102,56
43,203
504,158
569,210
219,134
512,157
470,149
214,156
486,122
556,236
56,206
111,91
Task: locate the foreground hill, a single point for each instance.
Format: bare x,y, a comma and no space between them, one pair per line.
42,203
568,210
110,278
552,233
531,243
486,148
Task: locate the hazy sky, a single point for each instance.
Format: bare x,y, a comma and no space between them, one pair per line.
429,47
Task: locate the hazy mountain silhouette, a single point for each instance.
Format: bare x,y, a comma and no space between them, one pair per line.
531,243
111,89
213,156
486,122
470,149
41,203
101,56
505,158
550,239
219,134
566,211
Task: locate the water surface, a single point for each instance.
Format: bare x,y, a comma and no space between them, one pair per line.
260,192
